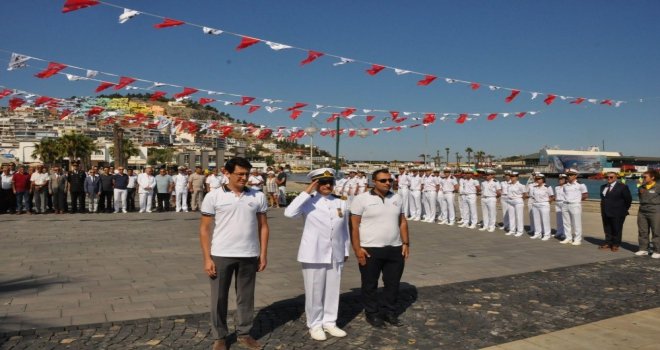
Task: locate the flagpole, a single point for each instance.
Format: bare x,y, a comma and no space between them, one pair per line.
337,166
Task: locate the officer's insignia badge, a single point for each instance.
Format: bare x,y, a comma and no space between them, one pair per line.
339,213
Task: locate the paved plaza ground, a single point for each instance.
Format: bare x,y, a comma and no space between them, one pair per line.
93,281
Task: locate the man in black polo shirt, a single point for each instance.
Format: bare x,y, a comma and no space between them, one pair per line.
76,188
379,235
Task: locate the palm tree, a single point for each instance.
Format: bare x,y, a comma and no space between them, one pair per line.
490,159
479,155
49,150
447,155
128,149
78,146
469,154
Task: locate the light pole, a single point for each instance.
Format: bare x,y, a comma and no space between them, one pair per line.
310,131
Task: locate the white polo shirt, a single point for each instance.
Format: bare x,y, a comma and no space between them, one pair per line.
132,181
573,192
379,224
236,231
490,188
39,179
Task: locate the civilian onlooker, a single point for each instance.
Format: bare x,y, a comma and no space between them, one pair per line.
7,199
615,200
213,181
76,188
21,187
271,189
39,180
119,184
281,186
196,188
130,194
146,184
57,189
12,168
648,218
164,185
256,182
92,189
105,199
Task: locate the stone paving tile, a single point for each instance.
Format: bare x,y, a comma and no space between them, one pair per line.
464,315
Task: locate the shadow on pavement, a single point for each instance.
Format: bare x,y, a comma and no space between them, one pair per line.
624,245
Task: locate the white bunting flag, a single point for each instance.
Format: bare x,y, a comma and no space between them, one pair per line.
128,14
533,113
534,95
215,93
504,115
320,106
227,103
366,110
450,81
17,61
593,100
72,77
400,71
563,97
271,109
277,46
343,61
129,87
619,103
211,31
493,87
155,85
91,73
407,113
315,114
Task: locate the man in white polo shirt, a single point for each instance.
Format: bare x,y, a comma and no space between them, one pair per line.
379,235
236,246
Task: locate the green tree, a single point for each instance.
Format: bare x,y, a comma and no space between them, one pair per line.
49,150
479,156
78,146
157,156
128,148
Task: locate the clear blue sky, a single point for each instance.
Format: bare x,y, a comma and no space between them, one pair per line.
580,48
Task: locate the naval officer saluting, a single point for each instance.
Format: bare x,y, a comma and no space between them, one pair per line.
323,250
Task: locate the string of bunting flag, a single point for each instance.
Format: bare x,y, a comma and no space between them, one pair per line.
312,55
271,105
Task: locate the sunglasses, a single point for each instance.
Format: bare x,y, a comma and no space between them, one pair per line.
611,177
384,181
323,182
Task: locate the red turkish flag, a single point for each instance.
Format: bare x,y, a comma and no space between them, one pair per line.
103,86
311,57
95,111
375,69
53,103
253,109
15,103
352,133
186,91
4,93
475,86
428,79
203,100
244,100
296,106
578,100
226,130
41,100
246,41
521,114
156,95
73,5
168,22
370,118
399,120
394,114
347,112
295,114
65,114
550,99
492,116
511,97
52,69
332,118
428,118
606,102
123,82
461,118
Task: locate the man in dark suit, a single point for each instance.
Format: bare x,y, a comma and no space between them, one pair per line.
615,201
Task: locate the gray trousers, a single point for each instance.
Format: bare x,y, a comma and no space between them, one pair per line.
244,270
40,200
648,222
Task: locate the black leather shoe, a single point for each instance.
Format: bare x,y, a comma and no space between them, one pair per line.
376,321
393,320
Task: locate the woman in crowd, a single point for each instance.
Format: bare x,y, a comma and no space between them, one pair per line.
271,190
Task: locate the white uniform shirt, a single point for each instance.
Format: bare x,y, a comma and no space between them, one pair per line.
541,194
180,182
469,186
559,193
325,235
351,185
415,183
379,224
339,186
256,182
516,190
573,192
448,184
490,188
430,183
505,188
132,180
145,181
404,181
236,228
362,185
214,181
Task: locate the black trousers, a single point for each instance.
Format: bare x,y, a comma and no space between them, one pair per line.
105,201
163,201
244,271
613,227
130,199
388,261
7,201
59,200
77,201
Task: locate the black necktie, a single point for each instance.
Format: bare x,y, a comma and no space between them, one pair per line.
609,187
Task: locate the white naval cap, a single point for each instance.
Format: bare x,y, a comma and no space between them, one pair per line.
539,175
572,171
321,174
513,173
563,176
446,169
490,172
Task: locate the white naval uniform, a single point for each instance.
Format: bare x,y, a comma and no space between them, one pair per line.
415,201
515,193
489,191
323,246
559,208
362,183
448,186
504,203
339,186
181,191
469,198
572,211
430,196
439,198
146,184
541,209
404,191
530,204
